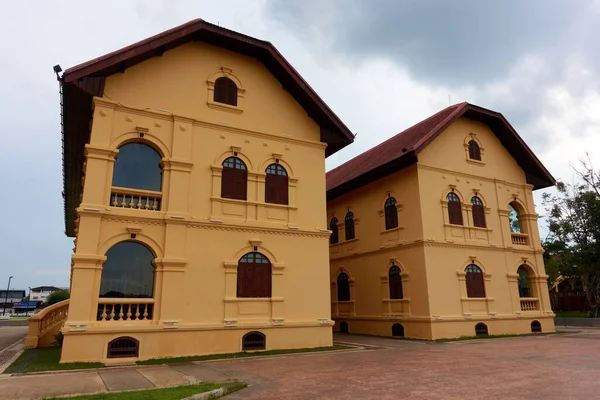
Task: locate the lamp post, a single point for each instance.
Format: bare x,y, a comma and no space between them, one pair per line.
6,297
28,301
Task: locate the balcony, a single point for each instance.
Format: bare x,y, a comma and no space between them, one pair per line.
135,198
520,239
529,304
125,310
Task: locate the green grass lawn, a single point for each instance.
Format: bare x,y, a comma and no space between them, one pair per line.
174,360
36,360
174,393
571,314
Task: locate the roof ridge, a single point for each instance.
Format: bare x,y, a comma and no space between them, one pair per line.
423,121
459,108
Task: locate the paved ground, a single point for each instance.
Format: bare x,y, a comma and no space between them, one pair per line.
11,343
563,366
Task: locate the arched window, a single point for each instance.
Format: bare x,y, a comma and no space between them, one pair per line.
254,341
343,287
123,347
225,91
234,181
478,212
514,218
333,227
474,150
475,284
523,280
536,327
454,209
481,329
276,185
349,225
128,272
254,276
391,213
395,282
397,330
343,327
137,166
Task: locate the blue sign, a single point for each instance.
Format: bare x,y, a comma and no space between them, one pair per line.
25,304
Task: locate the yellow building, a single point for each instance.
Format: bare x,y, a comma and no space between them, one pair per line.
435,232
194,166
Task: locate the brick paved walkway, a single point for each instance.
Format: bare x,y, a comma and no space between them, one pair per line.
563,366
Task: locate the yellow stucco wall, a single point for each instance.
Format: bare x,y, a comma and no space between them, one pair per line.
433,254
198,237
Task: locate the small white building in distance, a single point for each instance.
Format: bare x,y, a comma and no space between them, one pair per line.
40,293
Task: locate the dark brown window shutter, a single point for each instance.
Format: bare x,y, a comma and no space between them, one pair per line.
225,91
395,282
234,179
349,225
343,287
478,212
254,276
333,227
276,185
474,150
454,209
475,282
391,213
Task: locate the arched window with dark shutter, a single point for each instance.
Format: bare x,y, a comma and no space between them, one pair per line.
395,282
254,276
343,287
475,283
333,227
481,329
523,282
478,212
225,91
454,209
234,180
276,185
391,213
474,150
349,225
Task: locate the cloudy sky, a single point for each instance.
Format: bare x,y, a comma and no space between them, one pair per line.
381,65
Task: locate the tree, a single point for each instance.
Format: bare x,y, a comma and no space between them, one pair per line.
55,297
574,230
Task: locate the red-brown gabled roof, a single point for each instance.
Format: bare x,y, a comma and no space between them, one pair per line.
402,150
79,84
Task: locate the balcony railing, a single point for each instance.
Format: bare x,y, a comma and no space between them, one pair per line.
529,304
125,309
520,239
135,198
44,325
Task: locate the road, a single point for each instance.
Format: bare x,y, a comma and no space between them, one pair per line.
10,334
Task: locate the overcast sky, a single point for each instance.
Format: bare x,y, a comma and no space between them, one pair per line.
381,65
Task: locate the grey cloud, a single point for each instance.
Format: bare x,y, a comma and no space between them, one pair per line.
448,42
